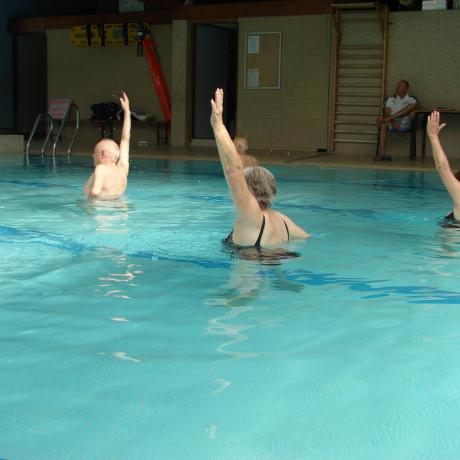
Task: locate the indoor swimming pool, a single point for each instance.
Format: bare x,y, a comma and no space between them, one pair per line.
128,331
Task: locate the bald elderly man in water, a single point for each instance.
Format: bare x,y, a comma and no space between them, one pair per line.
111,162
241,145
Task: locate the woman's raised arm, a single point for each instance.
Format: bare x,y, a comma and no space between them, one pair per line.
246,204
442,163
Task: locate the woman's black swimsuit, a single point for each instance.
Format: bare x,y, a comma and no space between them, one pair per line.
229,239
256,252
450,221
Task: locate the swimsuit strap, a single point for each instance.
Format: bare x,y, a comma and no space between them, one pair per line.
287,228
262,227
229,239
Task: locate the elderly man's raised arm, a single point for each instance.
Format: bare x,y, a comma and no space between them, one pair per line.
125,133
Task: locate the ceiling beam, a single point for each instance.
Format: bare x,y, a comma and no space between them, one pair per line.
233,11
165,3
193,13
41,24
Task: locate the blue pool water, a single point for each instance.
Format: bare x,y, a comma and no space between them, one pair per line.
128,332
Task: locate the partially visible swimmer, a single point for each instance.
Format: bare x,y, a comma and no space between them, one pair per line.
253,190
241,145
111,162
451,180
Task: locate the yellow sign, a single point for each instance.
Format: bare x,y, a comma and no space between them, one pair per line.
113,34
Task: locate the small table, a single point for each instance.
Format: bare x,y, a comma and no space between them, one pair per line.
162,128
424,114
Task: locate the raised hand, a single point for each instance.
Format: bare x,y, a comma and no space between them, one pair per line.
433,127
124,102
217,105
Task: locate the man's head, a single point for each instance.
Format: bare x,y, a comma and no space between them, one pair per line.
457,175
262,185
402,88
106,151
241,145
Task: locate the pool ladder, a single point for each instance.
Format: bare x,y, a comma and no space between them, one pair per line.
45,116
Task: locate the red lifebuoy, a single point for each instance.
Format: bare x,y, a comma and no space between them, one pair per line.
157,76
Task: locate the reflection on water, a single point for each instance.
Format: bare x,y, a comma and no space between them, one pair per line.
233,333
126,275
119,319
243,285
449,239
124,357
111,217
108,214
248,281
222,384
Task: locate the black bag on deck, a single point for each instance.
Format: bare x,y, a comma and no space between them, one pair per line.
105,111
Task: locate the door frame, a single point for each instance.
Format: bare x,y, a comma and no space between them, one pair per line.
190,119
15,75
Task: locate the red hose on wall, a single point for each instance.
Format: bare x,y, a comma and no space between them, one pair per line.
157,76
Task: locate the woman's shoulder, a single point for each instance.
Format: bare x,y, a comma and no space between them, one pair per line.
294,230
281,215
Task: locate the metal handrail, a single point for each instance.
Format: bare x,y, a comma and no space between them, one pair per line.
40,117
77,127
61,127
46,116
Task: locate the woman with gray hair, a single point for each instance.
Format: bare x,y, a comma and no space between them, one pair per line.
253,190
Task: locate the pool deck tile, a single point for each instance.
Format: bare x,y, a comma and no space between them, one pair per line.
327,160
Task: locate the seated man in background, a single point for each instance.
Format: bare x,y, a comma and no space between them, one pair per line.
110,177
398,116
241,145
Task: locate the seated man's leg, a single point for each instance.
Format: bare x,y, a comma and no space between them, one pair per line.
383,133
413,136
382,142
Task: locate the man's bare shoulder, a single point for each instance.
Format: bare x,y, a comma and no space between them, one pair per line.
249,160
115,168
100,169
255,161
120,167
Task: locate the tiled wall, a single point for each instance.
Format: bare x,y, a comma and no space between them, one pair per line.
424,49
296,116
90,75
11,143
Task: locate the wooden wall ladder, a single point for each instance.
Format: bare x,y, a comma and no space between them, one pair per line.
359,74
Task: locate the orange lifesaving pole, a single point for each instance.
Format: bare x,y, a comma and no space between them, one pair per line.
158,78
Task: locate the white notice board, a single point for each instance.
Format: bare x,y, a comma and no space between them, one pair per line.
262,63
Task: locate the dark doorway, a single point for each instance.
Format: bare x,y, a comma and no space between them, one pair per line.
215,66
30,79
